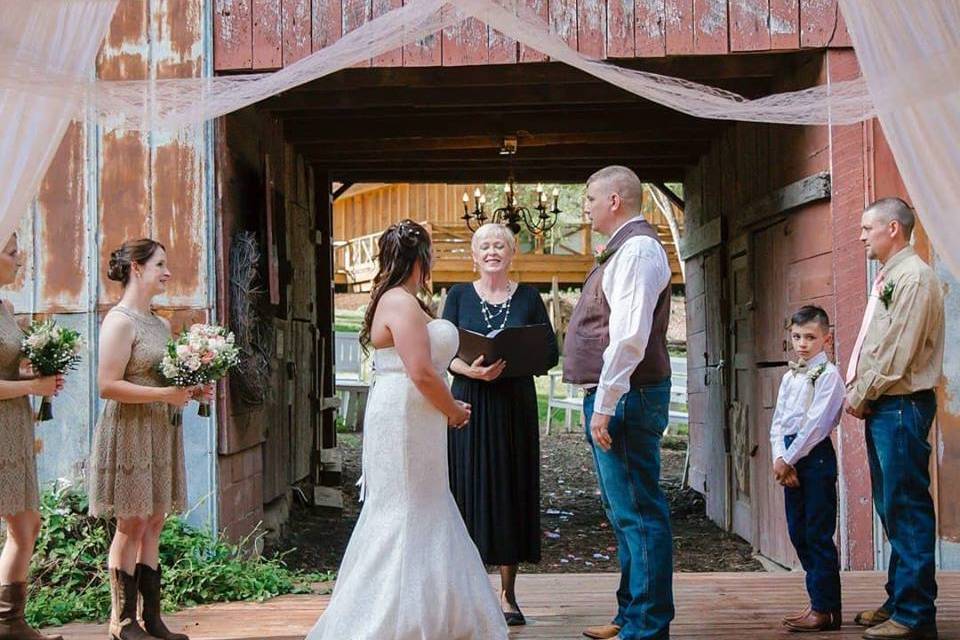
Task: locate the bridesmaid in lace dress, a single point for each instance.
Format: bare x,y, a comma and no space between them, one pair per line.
19,500
137,461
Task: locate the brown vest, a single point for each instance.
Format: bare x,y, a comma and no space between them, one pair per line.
588,333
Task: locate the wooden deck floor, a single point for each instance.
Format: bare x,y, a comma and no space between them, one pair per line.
745,606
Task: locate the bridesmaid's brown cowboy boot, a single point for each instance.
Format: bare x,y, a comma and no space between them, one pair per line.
148,580
123,616
13,626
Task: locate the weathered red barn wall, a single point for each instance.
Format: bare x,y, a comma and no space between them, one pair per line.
268,34
799,258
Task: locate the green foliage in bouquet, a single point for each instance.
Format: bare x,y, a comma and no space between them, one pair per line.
50,348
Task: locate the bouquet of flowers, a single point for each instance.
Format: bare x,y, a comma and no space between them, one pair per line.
200,355
52,350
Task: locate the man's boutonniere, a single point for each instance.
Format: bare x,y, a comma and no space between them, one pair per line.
601,254
886,295
815,373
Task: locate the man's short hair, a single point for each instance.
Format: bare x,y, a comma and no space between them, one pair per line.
811,313
621,180
890,209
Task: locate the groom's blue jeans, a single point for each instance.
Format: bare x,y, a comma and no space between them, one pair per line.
629,478
899,455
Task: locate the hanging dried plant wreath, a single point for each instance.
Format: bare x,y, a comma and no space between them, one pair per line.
254,335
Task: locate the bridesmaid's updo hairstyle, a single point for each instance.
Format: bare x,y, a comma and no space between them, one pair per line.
401,247
131,252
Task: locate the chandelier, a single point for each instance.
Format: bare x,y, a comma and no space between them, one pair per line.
512,213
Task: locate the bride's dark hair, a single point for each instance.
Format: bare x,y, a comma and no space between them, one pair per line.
402,246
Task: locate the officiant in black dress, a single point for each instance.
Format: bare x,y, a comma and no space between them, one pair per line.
495,460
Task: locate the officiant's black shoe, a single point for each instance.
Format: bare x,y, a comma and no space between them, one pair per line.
514,618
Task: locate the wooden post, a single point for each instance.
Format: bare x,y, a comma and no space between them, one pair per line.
323,229
666,208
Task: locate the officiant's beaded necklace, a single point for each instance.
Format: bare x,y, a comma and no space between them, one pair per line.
491,311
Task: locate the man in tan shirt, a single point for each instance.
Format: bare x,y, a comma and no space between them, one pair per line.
895,365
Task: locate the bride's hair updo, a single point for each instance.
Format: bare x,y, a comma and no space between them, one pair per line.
131,252
401,247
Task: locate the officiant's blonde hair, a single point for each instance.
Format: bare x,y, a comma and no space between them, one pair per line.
494,229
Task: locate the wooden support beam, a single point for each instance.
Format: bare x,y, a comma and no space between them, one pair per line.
339,191
696,241
776,203
527,141
575,174
681,152
402,125
676,200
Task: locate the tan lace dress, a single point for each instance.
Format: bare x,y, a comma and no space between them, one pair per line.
18,460
137,458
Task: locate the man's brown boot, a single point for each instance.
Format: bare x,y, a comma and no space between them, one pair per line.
816,621
148,580
893,630
123,616
602,632
13,626
797,616
872,617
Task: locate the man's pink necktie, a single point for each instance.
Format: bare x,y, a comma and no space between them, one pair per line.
867,317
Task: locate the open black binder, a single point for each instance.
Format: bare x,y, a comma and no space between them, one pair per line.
526,349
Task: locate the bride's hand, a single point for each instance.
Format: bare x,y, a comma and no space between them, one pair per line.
487,374
461,418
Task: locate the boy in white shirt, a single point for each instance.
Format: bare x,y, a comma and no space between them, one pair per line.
809,404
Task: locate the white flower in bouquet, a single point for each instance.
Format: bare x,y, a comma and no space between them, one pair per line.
201,355
51,350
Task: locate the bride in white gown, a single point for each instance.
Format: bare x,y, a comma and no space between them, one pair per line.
410,571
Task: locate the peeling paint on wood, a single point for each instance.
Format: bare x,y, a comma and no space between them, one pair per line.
749,20
678,16
232,39
297,40
563,20
267,34
465,43
500,48
327,23
784,24
651,27
592,28
818,22
541,8
621,29
710,26
355,14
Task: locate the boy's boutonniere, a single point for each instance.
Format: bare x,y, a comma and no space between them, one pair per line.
815,373
886,295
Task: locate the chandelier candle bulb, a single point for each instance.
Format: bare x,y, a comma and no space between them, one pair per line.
466,199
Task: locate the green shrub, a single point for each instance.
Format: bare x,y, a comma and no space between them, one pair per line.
69,578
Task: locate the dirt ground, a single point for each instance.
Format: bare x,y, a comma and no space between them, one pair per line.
576,535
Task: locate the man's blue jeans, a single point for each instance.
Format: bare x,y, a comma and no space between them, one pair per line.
899,455
812,521
629,478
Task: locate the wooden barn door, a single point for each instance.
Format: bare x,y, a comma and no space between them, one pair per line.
741,415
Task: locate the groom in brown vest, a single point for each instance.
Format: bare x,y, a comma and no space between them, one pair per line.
616,348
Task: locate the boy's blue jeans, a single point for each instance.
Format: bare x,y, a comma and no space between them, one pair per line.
629,478
812,521
899,455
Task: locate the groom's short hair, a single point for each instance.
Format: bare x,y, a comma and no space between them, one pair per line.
620,180
811,313
891,209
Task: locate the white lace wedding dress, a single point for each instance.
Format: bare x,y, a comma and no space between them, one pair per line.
410,571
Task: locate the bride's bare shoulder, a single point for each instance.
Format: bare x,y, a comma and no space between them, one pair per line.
398,300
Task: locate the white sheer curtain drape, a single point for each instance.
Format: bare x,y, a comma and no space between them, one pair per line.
60,37
909,53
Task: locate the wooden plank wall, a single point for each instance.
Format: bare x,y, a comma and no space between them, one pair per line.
367,209
791,258
258,35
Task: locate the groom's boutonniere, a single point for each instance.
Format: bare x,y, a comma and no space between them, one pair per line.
601,254
815,373
886,295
